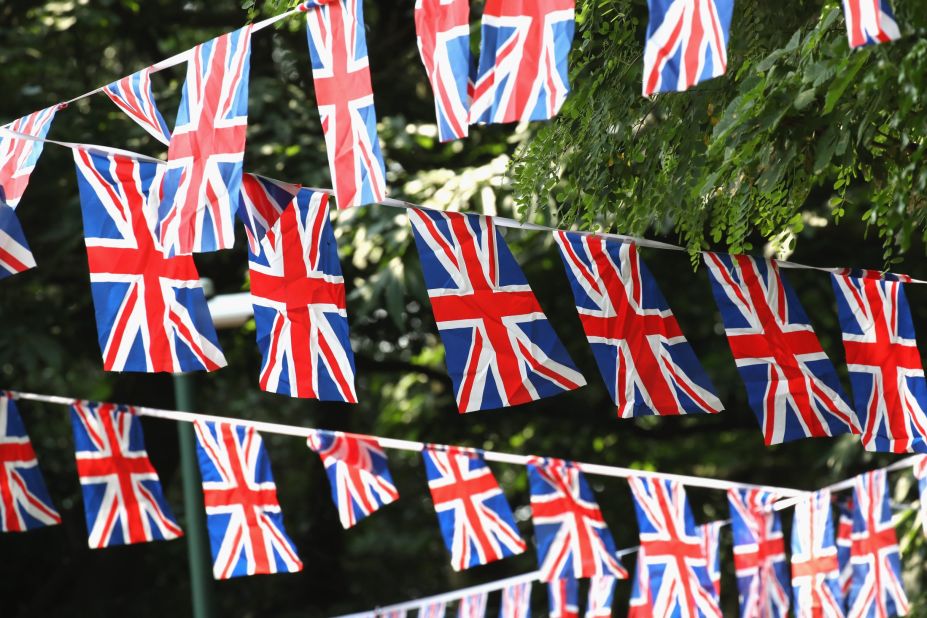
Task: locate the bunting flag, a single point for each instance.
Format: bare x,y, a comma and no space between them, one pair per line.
243,516
24,500
15,254
563,598
601,597
759,554
133,96
523,72
357,472
572,538
815,572
876,588
341,74
500,348
920,472
678,575
473,606
885,366
640,605
791,384
442,29
870,22
262,201
516,601
476,520
394,613
204,160
686,43
710,534
123,501
645,360
844,547
432,610
151,310
297,291
18,156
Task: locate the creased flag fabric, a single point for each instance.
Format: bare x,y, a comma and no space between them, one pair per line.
150,310
711,545
563,598
123,500
920,473
298,295
524,52
262,201
132,94
204,159
433,610
357,472
516,601
601,597
870,22
845,547
341,74
686,43
15,254
646,362
24,500
473,606
18,156
640,605
884,364
573,539
243,516
500,348
815,571
475,518
791,384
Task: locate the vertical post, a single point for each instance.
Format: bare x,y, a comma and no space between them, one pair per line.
198,555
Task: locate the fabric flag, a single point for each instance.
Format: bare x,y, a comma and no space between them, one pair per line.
601,597
516,601
204,160
572,538
262,201
476,520
341,74
151,310
473,606
297,291
920,472
133,95
759,554
433,610
243,516
442,29
645,360
815,574
357,472
123,501
563,598
870,22
15,254
24,500
640,605
885,366
876,589
711,545
500,348
845,547
686,43
523,68
791,384
18,156
394,613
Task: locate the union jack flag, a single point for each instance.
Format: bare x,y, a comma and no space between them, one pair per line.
299,305
640,605
791,384
877,588
885,366
262,201
500,348
523,72
572,538
686,43
357,472
870,22
472,606
341,74
644,358
133,95
391,613
815,571
845,547
151,311
516,601
476,521
15,254
711,546
18,156
759,554
920,472
601,597
243,516
24,500
123,501
204,160
679,580
563,598
433,610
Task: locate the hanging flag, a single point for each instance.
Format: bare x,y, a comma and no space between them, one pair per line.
870,22
601,597
516,601
645,360
563,598
476,520
473,606
204,160
500,348
711,546
133,95
442,29
815,574
845,547
24,500
341,74
759,554
791,384
393,613
123,501
262,201
920,472
523,69
18,156
432,610
640,604
885,366
357,472
151,310
15,254
243,516
297,291
572,538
